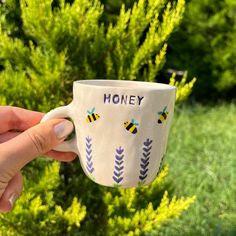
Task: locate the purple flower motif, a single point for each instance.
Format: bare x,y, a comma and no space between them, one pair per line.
117,174
147,143
144,161
89,156
119,150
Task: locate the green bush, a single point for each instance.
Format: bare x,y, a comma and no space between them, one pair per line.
205,46
45,45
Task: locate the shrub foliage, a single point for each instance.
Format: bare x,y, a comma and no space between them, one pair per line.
204,45
45,45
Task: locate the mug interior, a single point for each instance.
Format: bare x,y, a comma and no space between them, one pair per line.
125,84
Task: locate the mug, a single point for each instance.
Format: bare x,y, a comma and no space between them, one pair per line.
121,129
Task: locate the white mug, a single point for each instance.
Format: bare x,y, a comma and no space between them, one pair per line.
121,129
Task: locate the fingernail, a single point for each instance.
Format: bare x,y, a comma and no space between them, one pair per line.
12,199
63,129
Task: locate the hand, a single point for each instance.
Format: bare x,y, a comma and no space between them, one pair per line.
22,139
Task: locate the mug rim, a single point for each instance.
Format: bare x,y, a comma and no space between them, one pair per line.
124,84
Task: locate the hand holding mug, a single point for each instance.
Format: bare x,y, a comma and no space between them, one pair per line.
22,139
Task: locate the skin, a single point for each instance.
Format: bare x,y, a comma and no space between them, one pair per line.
22,139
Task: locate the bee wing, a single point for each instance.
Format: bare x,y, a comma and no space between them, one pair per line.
93,110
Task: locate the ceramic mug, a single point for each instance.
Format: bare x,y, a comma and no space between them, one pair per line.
121,129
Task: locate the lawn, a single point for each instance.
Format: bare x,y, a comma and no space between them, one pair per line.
202,158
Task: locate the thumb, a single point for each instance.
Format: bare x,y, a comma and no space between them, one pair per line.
34,142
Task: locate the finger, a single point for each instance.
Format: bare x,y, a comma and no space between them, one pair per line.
8,135
14,118
61,156
11,193
40,139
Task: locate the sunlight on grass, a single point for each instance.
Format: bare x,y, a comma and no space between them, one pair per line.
202,156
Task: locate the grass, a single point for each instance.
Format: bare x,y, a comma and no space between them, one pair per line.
202,158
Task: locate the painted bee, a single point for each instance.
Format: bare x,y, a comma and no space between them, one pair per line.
92,116
163,115
131,126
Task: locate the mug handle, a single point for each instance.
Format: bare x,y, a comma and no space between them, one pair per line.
62,112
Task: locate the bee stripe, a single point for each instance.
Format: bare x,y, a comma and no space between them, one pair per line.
132,129
164,115
135,130
94,117
162,118
129,126
89,118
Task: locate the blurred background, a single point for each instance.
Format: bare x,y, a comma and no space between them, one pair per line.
45,45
